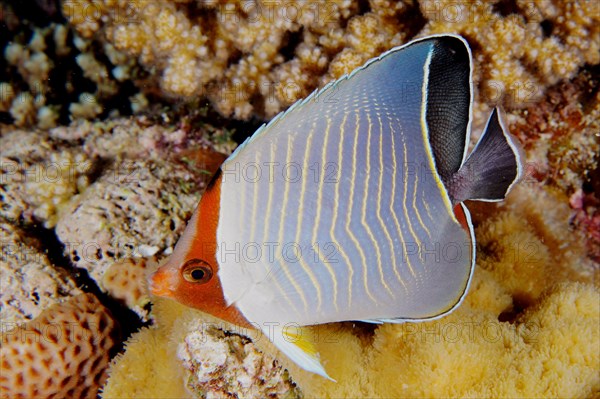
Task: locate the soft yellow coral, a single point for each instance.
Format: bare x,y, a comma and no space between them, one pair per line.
529,257
188,346
469,353
157,373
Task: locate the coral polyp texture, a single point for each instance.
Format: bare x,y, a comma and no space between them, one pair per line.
62,353
220,362
52,75
259,57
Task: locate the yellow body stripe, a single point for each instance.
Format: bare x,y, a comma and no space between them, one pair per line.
379,218
408,219
318,217
286,197
269,195
299,218
392,210
363,220
428,210
353,238
335,215
266,228
414,205
253,217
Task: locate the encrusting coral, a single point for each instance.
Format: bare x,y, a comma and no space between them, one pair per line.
29,281
220,362
62,353
118,189
560,135
134,209
259,57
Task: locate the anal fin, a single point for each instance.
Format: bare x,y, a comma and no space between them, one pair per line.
492,168
298,348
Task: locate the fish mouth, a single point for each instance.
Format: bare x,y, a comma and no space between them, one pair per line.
162,282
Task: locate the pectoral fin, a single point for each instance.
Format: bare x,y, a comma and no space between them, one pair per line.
297,347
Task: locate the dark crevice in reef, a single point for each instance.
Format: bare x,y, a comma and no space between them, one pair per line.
97,168
365,332
519,305
592,182
243,129
547,28
290,41
127,319
37,12
363,7
6,118
590,80
506,7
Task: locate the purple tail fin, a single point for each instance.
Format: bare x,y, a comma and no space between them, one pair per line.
492,168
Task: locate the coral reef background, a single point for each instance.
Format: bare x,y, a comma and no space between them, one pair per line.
115,113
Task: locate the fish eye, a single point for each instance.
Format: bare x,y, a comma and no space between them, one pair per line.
197,271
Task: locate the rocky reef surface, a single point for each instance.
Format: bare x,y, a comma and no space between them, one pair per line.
114,114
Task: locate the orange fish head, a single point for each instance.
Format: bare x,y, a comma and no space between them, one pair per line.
192,282
191,274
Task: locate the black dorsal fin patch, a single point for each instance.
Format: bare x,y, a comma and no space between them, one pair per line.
492,168
449,103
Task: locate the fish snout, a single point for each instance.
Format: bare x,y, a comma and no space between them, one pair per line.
163,282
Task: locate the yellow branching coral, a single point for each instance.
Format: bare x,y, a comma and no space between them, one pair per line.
258,57
517,58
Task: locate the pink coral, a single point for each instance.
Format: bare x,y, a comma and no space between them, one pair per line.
63,353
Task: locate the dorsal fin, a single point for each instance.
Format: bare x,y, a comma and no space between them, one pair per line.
493,167
448,103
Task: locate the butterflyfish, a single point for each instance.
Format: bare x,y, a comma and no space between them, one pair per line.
349,205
